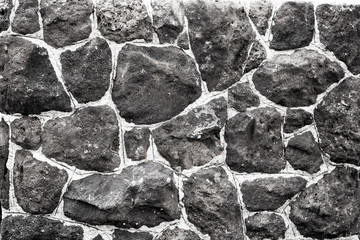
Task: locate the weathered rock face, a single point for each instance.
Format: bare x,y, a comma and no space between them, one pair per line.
254,142
256,56
337,121
303,153
137,143
123,21
193,139
26,132
220,37
26,18
242,97
270,193
265,226
178,234
144,194
260,13
295,80
330,207
296,119
66,22
212,205
183,41
86,71
154,84
293,26
4,173
126,235
339,31
88,139
37,184
5,9
28,84
39,228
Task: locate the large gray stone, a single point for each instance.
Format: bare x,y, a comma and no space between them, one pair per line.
137,142
26,132
126,235
5,10
177,234
265,225
88,139
4,172
296,119
242,97
260,13
26,20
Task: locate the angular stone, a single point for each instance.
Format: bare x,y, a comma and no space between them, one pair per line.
338,122
242,97
254,142
293,26
178,234
123,21
26,20
154,84
66,22
88,139
5,11
211,203
39,228
193,139
26,132
296,119
220,37
28,83
98,237
256,56
304,153
183,41
144,194
137,143
329,208
295,80
86,71
270,193
126,235
4,172
265,225
260,13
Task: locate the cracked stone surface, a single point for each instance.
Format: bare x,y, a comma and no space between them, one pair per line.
137,143
26,20
5,9
260,13
265,225
256,56
4,172
296,119
242,97
26,132
178,234
126,235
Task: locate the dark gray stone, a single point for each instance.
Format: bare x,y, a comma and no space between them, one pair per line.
183,41
38,228
4,172
126,235
256,56
270,193
265,226
295,80
86,71
260,13
154,84
293,25
144,194
178,234
329,208
123,21
137,143
28,83
66,22
242,97
303,153
211,203
254,142
26,132
220,36
296,119
26,20
98,237
5,11
88,139
193,139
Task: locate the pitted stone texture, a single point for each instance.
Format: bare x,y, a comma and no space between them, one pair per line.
295,80
86,71
88,139
39,228
211,203
265,225
144,194
193,139
337,120
126,235
254,142
183,41
123,21
28,84
304,153
260,13
4,173
296,119
37,184
270,193
339,31
220,37
66,22
256,56
26,132
293,26
178,234
242,97
329,208
154,84
26,20
137,143
5,10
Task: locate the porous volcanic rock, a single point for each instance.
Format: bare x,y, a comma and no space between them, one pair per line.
137,143
178,234
260,13
5,9
211,203
295,80
144,194
256,56
26,132
154,84
242,97
26,20
296,119
265,225
126,235
28,83
88,139
193,139
4,173
254,142
86,71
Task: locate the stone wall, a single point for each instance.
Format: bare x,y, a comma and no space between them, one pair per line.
184,120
